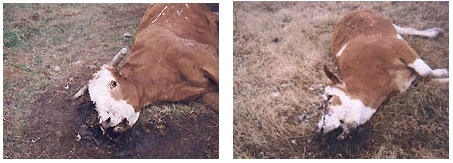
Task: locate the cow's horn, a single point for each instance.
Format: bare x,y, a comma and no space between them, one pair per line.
115,61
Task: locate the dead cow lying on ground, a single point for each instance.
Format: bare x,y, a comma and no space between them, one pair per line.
174,57
374,62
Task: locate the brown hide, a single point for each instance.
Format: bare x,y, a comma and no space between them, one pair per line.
357,24
174,57
374,63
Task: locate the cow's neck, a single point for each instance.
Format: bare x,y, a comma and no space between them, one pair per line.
372,94
144,89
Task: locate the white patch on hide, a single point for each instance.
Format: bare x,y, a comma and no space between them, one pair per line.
421,67
179,12
340,52
350,111
106,105
161,13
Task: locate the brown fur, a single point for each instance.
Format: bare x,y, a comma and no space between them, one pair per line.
374,64
173,59
335,101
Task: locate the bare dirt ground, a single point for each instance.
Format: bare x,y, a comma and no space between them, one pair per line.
49,52
279,51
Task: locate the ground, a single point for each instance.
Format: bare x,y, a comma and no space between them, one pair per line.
279,51
49,52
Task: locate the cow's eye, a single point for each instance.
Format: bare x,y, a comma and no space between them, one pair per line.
112,84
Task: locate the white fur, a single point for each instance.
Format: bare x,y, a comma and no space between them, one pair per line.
351,111
399,37
340,52
421,67
161,13
440,73
431,33
106,105
424,70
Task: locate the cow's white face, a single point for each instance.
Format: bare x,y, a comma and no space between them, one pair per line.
340,110
334,111
113,113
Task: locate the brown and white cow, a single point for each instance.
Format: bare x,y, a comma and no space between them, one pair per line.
373,61
174,57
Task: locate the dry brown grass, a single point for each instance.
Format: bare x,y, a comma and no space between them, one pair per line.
279,50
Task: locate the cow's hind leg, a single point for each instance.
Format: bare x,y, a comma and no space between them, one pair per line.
431,33
409,57
440,75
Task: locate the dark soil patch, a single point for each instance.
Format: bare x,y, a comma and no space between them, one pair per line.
56,123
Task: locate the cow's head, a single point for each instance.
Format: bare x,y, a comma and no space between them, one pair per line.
340,110
114,112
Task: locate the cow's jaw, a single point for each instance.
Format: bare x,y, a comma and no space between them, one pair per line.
113,113
347,113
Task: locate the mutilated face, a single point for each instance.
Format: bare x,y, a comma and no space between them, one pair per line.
340,110
114,112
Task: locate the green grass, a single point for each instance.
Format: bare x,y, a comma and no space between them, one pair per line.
23,67
19,91
43,85
19,38
37,61
10,39
7,86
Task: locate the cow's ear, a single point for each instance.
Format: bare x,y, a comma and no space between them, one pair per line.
335,80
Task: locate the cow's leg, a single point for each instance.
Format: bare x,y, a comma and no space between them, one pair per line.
409,57
431,33
440,75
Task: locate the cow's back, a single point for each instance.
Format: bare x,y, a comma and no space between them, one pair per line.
188,21
357,24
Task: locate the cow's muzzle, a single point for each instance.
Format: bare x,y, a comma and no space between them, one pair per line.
115,131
